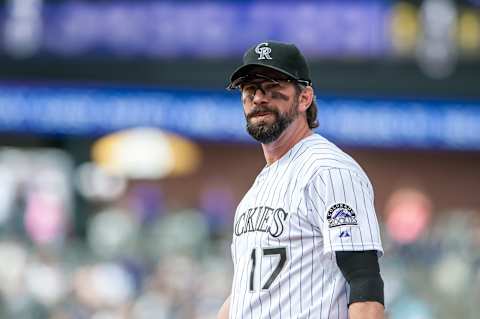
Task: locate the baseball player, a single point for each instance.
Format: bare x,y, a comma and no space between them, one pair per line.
306,240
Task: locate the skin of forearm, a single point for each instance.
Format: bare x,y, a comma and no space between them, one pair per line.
366,310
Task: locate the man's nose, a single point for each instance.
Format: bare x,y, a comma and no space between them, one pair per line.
259,97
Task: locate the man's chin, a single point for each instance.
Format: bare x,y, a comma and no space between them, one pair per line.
260,127
263,133
267,130
265,139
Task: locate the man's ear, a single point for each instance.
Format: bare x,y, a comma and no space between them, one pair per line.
305,99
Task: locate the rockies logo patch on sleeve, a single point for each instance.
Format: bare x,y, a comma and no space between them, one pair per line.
341,215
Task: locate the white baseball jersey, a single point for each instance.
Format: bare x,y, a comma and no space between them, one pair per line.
313,201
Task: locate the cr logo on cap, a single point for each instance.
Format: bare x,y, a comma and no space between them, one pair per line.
263,51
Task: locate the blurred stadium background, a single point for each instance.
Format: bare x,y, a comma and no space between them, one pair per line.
122,157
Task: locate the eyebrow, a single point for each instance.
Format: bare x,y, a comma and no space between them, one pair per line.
270,85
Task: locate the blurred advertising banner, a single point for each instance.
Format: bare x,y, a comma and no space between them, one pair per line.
370,28
192,28
218,116
171,29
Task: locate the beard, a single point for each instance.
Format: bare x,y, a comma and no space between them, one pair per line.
265,132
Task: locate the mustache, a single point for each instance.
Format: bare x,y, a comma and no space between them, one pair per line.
261,109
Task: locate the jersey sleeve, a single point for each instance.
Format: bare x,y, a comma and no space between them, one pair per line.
341,204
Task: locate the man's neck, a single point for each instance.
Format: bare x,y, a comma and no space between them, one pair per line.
294,133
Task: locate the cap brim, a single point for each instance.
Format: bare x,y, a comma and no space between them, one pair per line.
245,69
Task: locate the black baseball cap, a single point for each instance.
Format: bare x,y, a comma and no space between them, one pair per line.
283,57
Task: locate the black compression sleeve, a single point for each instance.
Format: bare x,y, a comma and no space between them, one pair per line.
362,272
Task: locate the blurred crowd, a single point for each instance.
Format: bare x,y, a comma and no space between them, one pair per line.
78,243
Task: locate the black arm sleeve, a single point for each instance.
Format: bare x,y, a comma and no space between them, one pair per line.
362,272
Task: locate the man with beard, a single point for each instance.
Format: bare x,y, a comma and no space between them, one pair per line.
306,240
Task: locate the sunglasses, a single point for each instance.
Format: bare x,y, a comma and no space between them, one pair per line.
241,81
